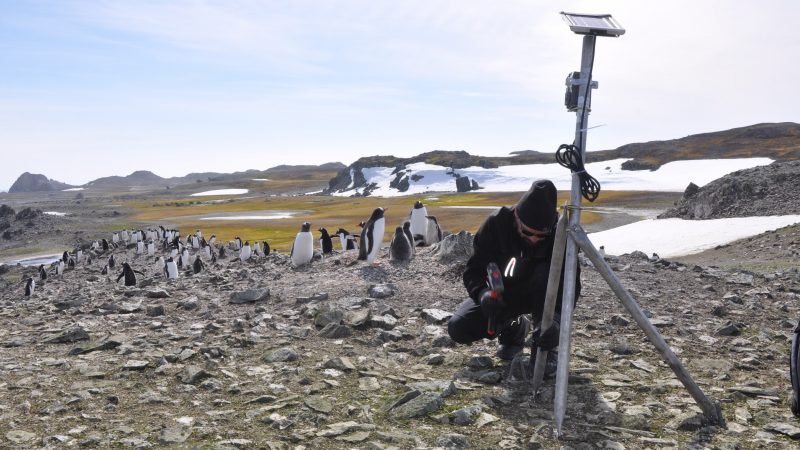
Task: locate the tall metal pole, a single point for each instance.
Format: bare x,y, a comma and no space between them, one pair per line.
571,258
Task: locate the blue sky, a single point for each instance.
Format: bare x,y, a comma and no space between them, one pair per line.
91,89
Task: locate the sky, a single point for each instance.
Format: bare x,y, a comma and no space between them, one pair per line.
103,87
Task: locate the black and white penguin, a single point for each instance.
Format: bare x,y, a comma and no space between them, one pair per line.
198,265
400,248
184,261
129,274
325,242
419,225
344,239
212,240
246,252
104,243
207,251
42,272
256,249
65,257
372,236
266,248
303,246
139,248
160,264
60,267
79,255
71,264
237,242
433,232
111,262
30,285
115,238
104,270
222,252
171,270
409,235
213,255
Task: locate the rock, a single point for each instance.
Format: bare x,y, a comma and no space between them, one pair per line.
358,436
316,297
368,384
155,311
249,296
135,364
340,428
69,335
755,391
284,354
784,428
335,331
157,293
687,421
466,415
730,329
358,319
442,341
418,406
192,375
326,316
339,363
129,307
174,435
456,248
453,440
381,291
385,322
319,404
436,315
20,436
443,388
480,362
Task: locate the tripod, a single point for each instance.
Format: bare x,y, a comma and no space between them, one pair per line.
569,238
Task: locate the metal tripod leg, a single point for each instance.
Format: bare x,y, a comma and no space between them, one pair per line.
711,410
556,262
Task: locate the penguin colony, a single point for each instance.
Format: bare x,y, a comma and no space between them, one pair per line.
171,255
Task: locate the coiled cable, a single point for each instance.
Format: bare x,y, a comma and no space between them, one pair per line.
569,156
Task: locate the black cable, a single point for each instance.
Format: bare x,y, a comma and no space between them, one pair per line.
569,156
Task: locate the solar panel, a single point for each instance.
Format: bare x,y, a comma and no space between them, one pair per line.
596,24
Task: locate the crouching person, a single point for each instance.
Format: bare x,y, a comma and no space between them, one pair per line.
520,241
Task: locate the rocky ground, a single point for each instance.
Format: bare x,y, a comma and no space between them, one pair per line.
340,354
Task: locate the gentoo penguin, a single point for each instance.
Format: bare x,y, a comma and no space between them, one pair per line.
115,238
95,245
65,257
419,225
213,256
60,268
409,235
151,248
345,239
111,262
184,262
433,233
212,240
237,242
400,249
303,246
256,249
171,270
266,248
42,272
372,235
79,255
207,250
198,265
104,270
325,242
124,236
244,255
71,264
30,285
222,252
139,248
129,274
104,243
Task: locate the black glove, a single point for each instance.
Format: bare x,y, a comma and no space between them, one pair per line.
548,340
491,305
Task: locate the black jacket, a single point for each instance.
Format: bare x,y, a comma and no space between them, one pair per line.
497,241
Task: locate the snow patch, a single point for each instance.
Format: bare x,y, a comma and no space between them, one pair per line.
221,192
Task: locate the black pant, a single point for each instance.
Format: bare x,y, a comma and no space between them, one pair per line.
468,324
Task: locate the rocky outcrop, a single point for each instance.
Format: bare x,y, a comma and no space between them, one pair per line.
760,191
34,182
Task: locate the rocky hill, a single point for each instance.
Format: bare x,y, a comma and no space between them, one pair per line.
34,182
340,355
760,191
779,141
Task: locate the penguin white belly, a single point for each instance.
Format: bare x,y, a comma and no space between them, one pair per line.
343,241
419,223
377,239
172,270
139,248
245,255
151,249
303,249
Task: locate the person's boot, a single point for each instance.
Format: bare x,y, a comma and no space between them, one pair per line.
512,338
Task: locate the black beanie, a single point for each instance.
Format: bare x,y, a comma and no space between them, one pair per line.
537,208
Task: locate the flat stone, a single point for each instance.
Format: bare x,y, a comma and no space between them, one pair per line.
249,296
135,364
381,291
284,354
730,329
453,440
784,428
174,435
359,318
319,404
358,436
755,391
20,436
339,363
155,311
466,415
419,406
326,316
129,307
443,388
740,278
69,335
368,384
192,375
335,331
316,297
435,315
384,322
157,293
340,428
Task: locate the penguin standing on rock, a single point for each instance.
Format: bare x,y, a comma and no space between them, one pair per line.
222,252
419,225
346,239
129,274
372,236
325,242
171,270
104,243
198,265
266,248
244,255
409,235
30,285
400,248
65,257
433,233
42,272
303,246
60,268
111,262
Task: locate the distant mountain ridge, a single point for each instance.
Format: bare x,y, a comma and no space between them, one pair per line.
778,141
34,182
